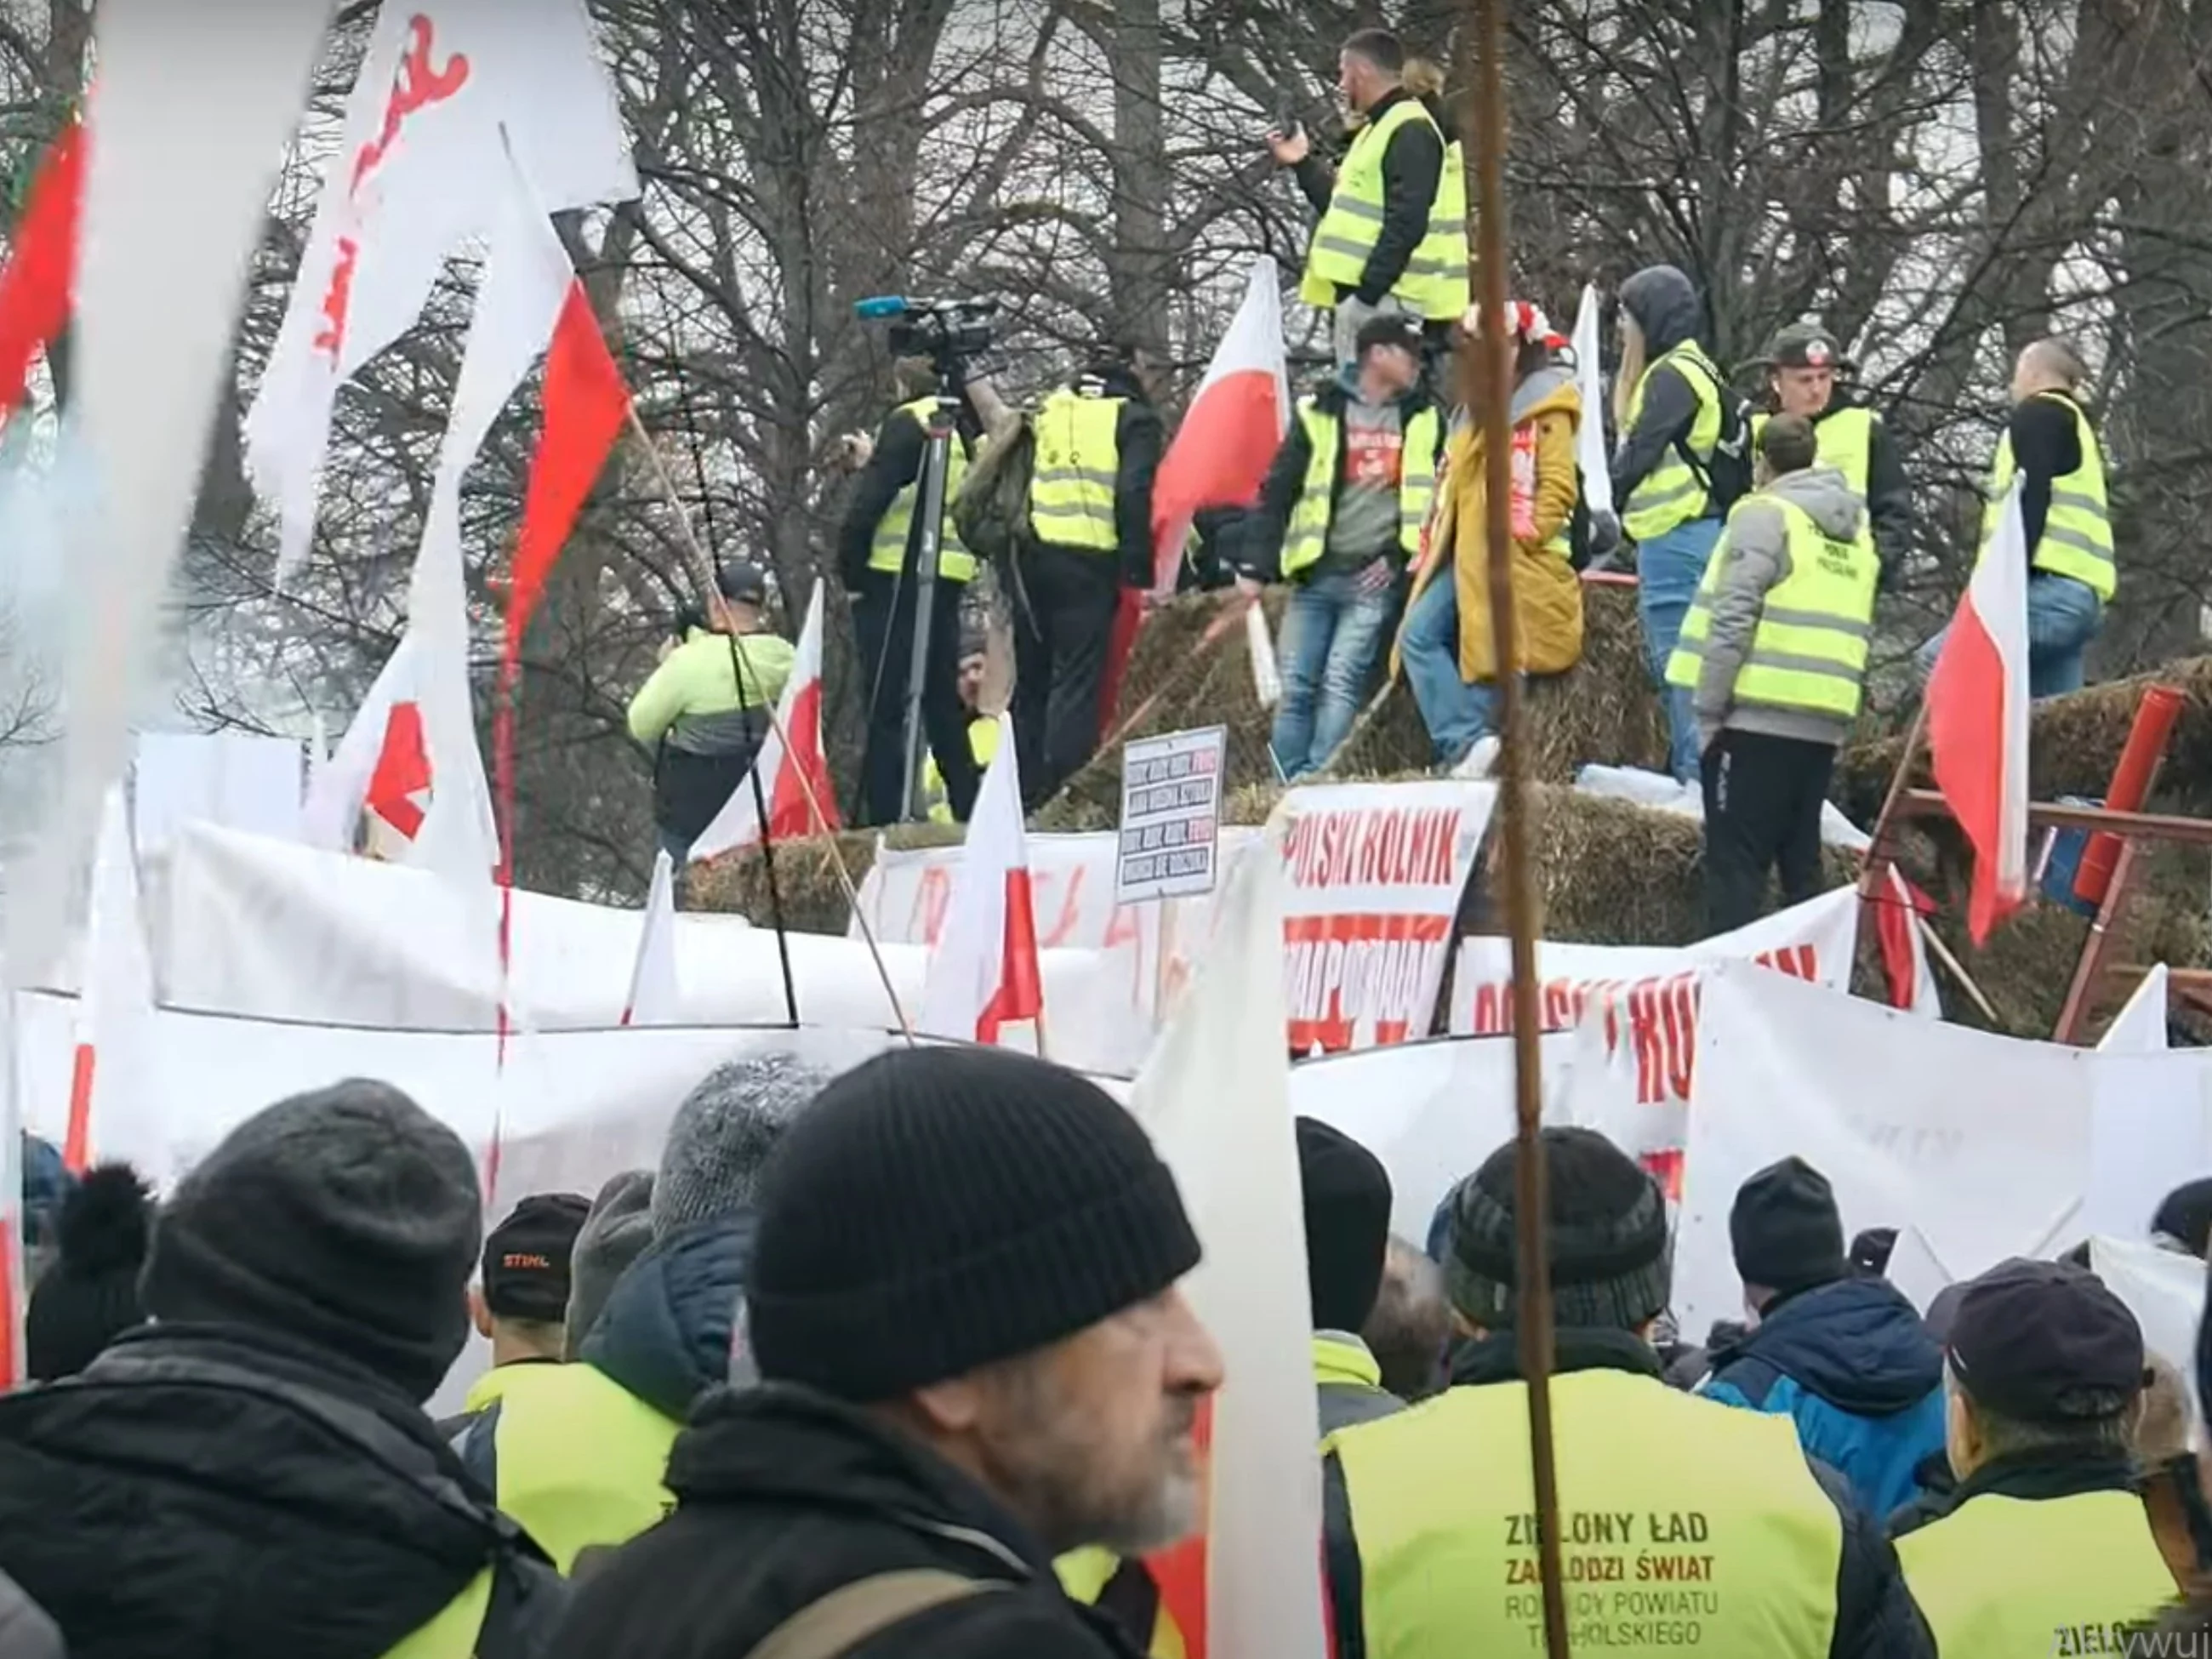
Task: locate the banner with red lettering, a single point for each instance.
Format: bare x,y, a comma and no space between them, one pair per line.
1376,871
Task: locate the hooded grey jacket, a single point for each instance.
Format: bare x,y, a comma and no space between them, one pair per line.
1754,559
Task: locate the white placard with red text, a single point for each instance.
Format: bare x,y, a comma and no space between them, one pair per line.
1376,871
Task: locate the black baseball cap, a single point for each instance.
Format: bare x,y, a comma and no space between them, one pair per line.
2046,1342
1805,345
744,582
526,1257
1391,328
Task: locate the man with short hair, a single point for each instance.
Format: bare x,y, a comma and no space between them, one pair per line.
1410,1324
1773,653
1803,359
252,1471
1392,236
2051,449
2045,1546
1745,1544
972,1356
1843,1355
520,1302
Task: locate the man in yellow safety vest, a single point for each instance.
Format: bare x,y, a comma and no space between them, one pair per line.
1773,656
1392,235
2051,449
877,547
2046,1546
1684,1525
1803,361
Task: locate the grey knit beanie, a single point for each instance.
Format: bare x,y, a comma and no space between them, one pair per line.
614,1234
723,1132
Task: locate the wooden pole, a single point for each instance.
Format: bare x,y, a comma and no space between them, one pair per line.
1516,867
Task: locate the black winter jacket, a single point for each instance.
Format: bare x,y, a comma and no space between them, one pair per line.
783,1495
1139,441
901,443
1257,551
211,1492
1412,163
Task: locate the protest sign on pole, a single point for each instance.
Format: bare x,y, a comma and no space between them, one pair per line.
1170,834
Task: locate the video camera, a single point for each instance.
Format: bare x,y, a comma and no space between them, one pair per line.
955,335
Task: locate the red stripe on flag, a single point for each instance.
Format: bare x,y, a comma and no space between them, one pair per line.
1966,720
790,812
76,1141
1020,995
42,269
1219,457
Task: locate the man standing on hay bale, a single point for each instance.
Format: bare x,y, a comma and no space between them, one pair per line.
1339,518
1803,363
1446,644
1773,658
1683,461
2051,448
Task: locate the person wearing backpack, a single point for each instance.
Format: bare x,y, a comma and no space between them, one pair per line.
1684,460
1445,645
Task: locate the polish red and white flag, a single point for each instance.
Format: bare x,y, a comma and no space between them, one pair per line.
984,973
1977,723
655,990
794,782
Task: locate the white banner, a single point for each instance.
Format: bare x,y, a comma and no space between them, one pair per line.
1376,871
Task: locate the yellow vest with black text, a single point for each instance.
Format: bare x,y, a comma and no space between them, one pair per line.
2077,532
1078,459
1809,650
887,551
1307,537
1686,1526
1671,493
2003,1576
579,1458
1845,440
1434,283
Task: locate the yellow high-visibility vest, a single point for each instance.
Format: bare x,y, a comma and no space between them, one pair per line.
2003,1576
579,1458
887,552
453,1632
1845,440
983,744
1671,493
1337,256
1078,459
1809,650
2077,532
1306,537
1687,1526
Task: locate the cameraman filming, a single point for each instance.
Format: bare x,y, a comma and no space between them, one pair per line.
704,711
877,547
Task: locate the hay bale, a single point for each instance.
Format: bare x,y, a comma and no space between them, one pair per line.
806,876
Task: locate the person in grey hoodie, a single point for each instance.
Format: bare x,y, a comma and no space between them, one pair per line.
1773,655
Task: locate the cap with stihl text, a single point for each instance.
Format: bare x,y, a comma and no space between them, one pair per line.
1805,345
2046,1342
526,1257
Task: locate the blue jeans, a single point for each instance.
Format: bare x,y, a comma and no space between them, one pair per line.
2063,617
1669,569
1458,714
1333,634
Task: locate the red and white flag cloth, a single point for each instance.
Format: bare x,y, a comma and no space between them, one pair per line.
1219,454
115,1009
1589,434
794,784
37,285
984,975
1904,951
656,996
444,88
1978,722
381,768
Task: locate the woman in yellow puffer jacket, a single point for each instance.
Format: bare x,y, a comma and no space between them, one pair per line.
1445,644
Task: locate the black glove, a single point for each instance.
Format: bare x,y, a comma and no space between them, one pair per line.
1604,537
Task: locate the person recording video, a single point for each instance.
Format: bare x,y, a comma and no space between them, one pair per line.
704,711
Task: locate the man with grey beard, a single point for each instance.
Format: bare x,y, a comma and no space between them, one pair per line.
963,1352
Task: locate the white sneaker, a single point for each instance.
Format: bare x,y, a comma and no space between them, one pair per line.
1480,761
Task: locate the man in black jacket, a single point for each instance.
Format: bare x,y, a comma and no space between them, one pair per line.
254,1474
974,1356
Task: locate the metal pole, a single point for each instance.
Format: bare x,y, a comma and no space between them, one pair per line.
929,524
1516,866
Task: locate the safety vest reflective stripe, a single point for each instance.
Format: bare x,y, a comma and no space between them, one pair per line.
887,552
1686,1526
2004,1575
580,1459
1077,465
1809,652
1671,493
1306,537
1442,257
2078,531
1352,224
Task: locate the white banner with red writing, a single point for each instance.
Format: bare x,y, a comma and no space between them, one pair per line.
1376,872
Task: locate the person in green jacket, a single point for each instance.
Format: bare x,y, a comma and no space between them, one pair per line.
704,711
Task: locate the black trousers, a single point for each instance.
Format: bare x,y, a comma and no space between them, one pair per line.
1763,797
1060,638
882,618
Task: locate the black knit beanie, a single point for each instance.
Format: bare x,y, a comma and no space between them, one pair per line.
89,1296
1605,1236
1347,1205
347,1218
1785,1231
938,1209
